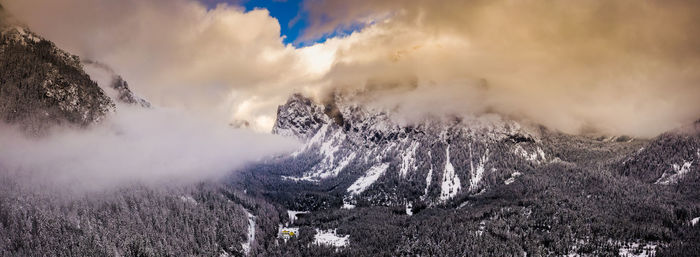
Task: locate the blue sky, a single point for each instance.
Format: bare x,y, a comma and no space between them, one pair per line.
289,14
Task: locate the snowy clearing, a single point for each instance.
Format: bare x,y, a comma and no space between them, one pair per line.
330,238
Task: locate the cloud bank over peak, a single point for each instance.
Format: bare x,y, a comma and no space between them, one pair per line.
177,53
623,67
617,67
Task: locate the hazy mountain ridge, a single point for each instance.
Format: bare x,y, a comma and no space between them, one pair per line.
668,159
114,85
125,94
42,85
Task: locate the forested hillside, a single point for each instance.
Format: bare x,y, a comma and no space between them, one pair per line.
42,86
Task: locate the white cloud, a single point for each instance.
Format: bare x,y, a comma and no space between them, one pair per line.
135,145
619,67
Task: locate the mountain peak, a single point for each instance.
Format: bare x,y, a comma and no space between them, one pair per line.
125,94
44,85
300,117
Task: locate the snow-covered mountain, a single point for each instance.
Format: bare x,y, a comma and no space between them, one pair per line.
389,162
43,85
376,159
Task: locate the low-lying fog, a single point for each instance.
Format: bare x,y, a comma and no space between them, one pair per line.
135,145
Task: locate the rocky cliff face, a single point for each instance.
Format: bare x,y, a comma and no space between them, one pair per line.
299,117
41,85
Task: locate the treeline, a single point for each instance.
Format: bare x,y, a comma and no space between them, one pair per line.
555,211
207,219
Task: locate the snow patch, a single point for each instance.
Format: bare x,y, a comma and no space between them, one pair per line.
297,179
451,183
408,160
293,215
509,181
368,179
512,178
694,221
344,163
329,166
323,171
317,138
541,153
347,205
251,233
409,209
429,177
330,238
188,199
634,250
477,174
679,171
328,148
537,156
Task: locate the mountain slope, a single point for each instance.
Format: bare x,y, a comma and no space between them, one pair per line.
668,158
376,159
369,154
41,85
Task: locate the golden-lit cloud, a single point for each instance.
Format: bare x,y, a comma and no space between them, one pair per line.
623,66
177,53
